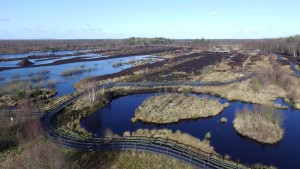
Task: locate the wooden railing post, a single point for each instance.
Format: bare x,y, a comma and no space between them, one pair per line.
223,162
208,161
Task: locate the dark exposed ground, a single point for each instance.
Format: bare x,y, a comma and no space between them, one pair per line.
237,60
191,66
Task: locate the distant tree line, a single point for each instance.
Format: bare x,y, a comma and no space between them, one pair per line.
22,46
288,45
201,43
137,41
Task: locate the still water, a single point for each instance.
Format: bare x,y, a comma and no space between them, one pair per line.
65,84
117,114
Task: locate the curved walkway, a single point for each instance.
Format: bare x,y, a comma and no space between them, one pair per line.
158,145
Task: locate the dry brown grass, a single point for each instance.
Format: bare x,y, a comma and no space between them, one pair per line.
262,124
243,91
220,76
273,74
126,160
170,108
178,136
220,72
34,155
294,94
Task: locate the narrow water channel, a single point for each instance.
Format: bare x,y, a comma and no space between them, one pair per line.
117,114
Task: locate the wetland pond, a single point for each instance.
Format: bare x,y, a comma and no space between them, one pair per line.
117,116
64,84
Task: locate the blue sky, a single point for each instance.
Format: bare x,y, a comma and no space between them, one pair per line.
177,19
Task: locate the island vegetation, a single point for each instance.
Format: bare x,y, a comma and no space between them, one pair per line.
77,70
168,108
262,124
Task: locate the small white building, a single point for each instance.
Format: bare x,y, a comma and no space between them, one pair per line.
220,49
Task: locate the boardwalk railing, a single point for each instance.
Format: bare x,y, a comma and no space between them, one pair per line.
158,145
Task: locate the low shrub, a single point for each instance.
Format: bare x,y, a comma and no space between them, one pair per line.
52,82
207,136
256,86
227,104
126,134
15,76
43,71
38,78
186,92
206,69
76,71
13,86
70,72
223,120
294,96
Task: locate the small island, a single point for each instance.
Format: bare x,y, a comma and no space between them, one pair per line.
169,108
260,124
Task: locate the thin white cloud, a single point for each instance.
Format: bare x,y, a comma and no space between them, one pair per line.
214,13
40,27
4,20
